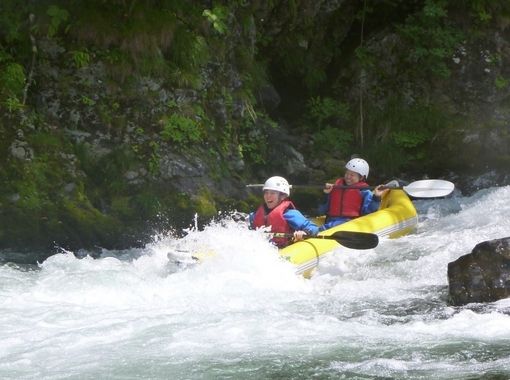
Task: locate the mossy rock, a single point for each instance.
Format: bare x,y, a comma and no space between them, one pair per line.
85,224
205,204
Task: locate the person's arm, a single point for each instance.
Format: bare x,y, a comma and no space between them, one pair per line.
298,222
251,219
371,202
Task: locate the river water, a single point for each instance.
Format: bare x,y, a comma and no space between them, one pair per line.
153,313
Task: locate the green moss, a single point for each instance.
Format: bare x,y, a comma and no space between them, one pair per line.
120,206
37,182
87,224
180,200
205,204
12,79
146,204
181,129
107,171
252,201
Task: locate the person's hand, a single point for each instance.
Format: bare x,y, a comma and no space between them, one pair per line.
327,188
379,191
299,235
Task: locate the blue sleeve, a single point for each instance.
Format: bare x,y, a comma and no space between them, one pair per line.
298,222
370,202
251,219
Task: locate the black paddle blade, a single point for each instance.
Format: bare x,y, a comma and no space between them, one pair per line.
354,240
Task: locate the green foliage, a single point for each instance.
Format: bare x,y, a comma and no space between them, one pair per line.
431,38
113,56
190,50
253,73
13,49
328,120
36,182
120,206
12,16
187,124
49,145
87,101
12,82
105,173
154,66
501,83
12,79
217,17
410,139
252,138
301,43
80,58
32,197
91,223
299,62
204,203
480,9
145,204
314,77
181,129
183,78
404,132
189,47
164,39
326,111
13,104
58,17
365,57
486,11
154,157
332,140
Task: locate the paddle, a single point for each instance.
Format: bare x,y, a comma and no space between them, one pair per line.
425,188
349,239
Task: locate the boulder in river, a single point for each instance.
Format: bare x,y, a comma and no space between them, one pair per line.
481,276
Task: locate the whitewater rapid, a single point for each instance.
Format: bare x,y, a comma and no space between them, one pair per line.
242,312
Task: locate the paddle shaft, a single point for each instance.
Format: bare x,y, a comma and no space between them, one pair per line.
429,188
383,187
349,239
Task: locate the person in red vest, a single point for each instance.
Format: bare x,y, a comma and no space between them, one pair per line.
350,196
279,212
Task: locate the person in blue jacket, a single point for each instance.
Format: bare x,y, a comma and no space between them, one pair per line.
350,197
287,223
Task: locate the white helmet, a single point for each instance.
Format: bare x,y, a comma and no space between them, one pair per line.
278,184
358,165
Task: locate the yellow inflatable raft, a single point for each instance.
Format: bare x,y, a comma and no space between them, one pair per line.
396,217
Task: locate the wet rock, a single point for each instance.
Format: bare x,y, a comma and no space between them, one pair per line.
136,177
21,150
269,97
70,187
481,276
285,155
14,198
173,165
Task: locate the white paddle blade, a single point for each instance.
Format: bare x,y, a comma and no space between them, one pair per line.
429,188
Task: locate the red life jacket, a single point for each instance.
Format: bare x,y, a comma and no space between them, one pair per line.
346,201
275,219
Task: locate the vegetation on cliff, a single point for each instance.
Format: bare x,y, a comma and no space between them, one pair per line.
124,116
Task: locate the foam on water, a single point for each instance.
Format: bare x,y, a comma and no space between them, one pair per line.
155,312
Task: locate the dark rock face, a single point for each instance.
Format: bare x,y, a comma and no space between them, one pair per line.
481,276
